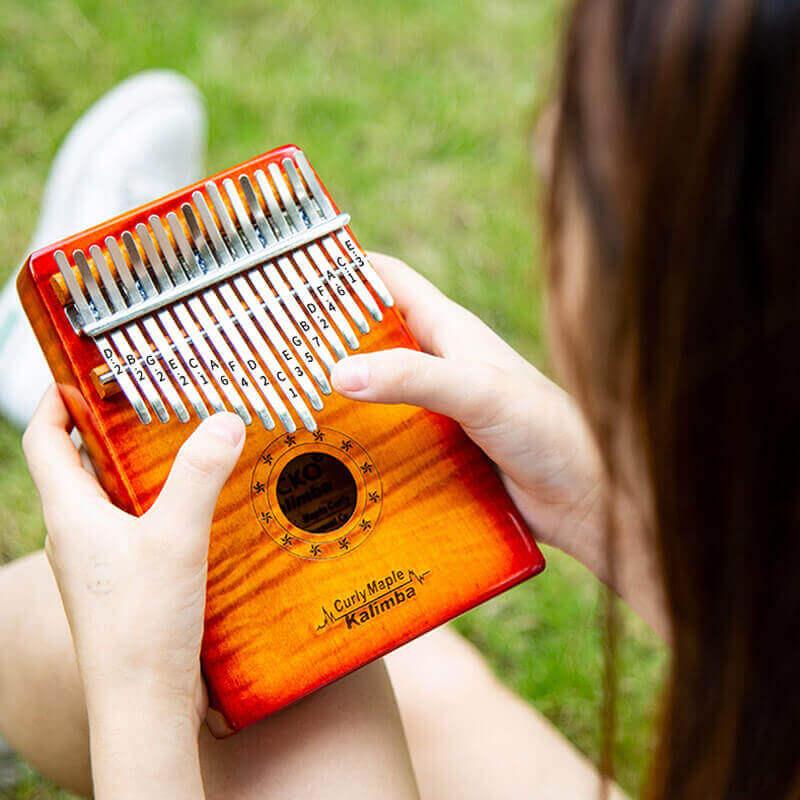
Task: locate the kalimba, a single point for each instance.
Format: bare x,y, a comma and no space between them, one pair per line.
347,528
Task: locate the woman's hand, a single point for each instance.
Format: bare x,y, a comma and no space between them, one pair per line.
529,427
525,423
134,593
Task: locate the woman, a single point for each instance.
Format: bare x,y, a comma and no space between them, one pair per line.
674,316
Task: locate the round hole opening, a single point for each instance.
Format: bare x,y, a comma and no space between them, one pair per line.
317,492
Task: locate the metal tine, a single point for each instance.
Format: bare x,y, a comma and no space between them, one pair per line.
227,355
179,343
265,353
215,337
109,282
220,249
198,237
274,210
145,357
187,253
271,302
352,250
174,364
351,276
297,283
286,198
134,365
280,345
85,314
269,299
239,345
166,320
277,288
170,257
242,317
299,189
132,294
338,288
156,264
139,268
170,366
199,344
141,272
117,366
119,340
325,205
194,304
325,297
249,235
334,251
118,304
120,369
100,304
158,371
195,337
212,363
312,307
320,260
360,261
133,330
234,240
246,324
293,366
149,289
263,226
257,308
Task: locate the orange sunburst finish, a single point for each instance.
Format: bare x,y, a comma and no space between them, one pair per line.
429,530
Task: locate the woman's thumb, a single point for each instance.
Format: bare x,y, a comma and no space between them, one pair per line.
466,392
201,467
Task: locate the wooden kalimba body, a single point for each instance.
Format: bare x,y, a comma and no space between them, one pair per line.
347,528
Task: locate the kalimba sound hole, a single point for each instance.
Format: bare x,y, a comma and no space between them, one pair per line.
317,492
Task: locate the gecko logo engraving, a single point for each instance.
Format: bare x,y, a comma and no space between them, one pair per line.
317,494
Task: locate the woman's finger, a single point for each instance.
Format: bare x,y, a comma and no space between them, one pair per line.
52,459
465,391
441,326
200,470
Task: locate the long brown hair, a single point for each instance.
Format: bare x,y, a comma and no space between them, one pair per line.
679,135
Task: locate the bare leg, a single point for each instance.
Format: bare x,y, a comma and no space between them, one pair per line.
42,711
469,736
345,741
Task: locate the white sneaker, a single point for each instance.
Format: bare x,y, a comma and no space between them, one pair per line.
142,140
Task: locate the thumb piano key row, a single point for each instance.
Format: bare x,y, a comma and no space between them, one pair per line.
240,300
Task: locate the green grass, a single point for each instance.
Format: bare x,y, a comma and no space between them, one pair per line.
418,114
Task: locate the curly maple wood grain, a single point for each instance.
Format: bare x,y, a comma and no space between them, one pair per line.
448,537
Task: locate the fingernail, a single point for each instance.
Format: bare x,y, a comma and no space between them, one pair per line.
226,426
350,375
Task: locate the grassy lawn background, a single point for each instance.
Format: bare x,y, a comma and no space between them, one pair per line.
418,116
